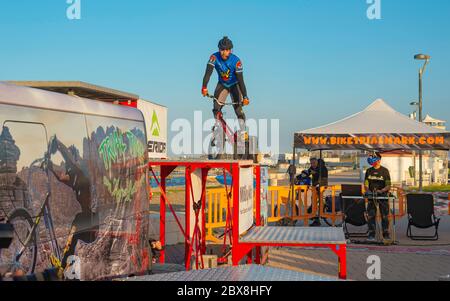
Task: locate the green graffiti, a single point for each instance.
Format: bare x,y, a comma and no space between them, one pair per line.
122,194
112,148
117,148
137,149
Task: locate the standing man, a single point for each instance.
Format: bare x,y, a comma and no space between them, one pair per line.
319,174
377,181
231,80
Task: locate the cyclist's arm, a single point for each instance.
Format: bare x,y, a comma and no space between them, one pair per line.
208,72
241,83
57,176
75,169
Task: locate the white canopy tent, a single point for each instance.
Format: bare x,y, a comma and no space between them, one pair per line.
378,127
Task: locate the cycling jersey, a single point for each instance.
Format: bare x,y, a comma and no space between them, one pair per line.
226,69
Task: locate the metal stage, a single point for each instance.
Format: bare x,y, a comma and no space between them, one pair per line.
242,244
329,237
294,236
239,273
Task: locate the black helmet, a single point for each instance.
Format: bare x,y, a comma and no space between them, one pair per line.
225,44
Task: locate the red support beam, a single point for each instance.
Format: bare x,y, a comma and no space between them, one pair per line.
203,215
187,203
257,174
236,257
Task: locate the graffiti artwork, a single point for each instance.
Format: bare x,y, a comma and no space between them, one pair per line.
78,204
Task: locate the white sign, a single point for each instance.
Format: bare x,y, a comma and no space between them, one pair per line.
196,179
155,117
245,199
264,209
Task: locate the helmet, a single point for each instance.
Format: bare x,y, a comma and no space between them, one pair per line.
373,159
225,44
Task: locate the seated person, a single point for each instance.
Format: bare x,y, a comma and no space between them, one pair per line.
156,247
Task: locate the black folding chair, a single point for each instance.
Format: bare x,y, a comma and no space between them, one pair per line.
421,215
354,209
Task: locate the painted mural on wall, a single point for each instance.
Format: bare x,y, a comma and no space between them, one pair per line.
80,203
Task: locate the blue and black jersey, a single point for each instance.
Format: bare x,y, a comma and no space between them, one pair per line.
230,71
226,69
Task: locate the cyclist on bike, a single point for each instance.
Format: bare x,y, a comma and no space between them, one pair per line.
231,80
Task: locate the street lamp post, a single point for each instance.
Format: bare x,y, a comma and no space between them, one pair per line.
426,58
415,104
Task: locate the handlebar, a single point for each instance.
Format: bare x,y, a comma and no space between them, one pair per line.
222,103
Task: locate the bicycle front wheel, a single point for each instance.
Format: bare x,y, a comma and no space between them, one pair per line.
23,225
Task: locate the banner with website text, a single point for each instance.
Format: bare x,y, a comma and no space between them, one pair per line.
439,141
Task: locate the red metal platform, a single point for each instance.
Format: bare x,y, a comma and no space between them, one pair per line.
241,246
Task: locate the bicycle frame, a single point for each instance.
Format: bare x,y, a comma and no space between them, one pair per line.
33,229
44,211
226,129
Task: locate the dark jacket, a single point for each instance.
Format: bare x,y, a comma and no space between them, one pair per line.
319,174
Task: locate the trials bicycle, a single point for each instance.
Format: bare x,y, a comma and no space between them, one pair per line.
222,133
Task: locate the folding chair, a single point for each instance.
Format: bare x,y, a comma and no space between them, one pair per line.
354,209
421,215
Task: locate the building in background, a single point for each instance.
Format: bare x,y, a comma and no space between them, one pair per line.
436,123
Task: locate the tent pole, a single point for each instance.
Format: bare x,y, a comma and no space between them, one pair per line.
420,120
293,181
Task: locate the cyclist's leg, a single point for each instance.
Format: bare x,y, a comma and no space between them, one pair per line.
221,95
236,96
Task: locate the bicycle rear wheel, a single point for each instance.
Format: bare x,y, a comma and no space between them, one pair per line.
23,224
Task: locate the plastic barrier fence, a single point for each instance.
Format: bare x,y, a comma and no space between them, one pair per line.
303,208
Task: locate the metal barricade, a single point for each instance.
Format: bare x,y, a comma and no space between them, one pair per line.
282,206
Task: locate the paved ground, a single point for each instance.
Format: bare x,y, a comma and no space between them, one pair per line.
395,266
408,261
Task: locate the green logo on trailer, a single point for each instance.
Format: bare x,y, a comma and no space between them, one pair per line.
155,128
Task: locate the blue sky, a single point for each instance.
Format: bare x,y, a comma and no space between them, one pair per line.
306,62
